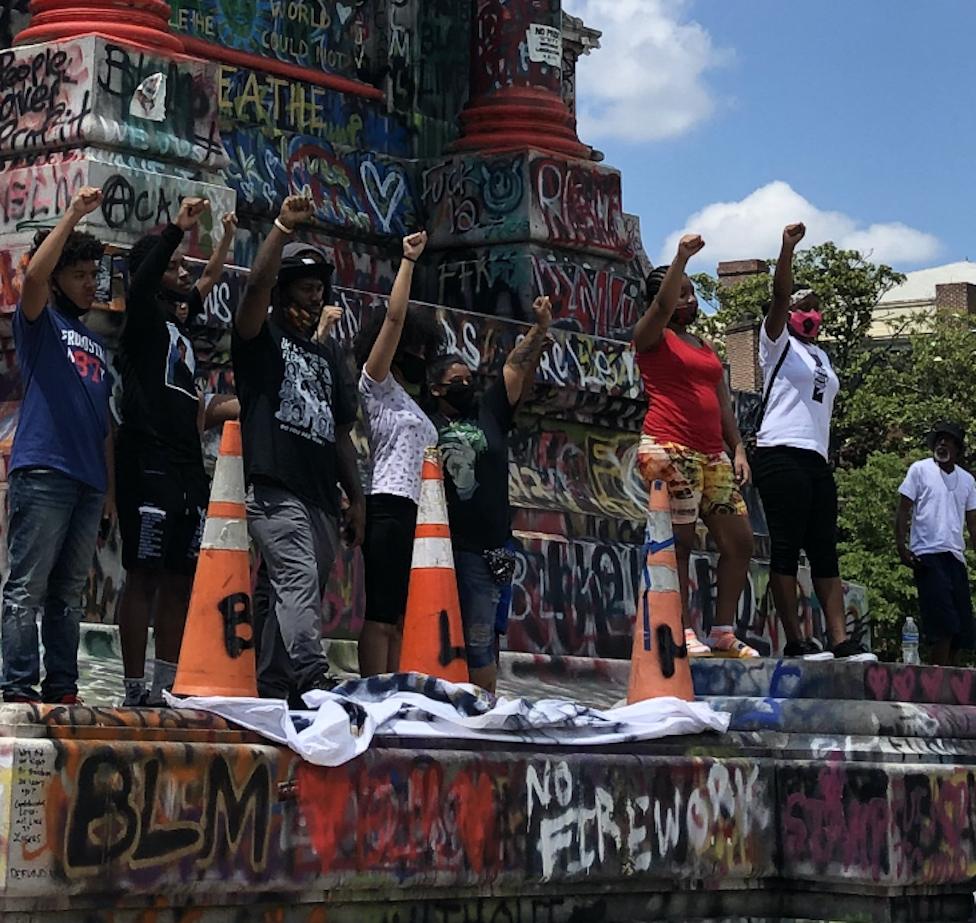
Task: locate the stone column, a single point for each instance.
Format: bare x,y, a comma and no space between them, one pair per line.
516,81
145,22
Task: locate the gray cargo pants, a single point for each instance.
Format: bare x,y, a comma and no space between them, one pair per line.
297,542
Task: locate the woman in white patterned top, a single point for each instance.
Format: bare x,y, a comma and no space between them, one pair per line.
392,350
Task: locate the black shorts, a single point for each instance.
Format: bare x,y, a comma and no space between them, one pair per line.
387,556
944,602
162,510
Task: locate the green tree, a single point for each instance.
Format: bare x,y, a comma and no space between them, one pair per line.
868,497
898,391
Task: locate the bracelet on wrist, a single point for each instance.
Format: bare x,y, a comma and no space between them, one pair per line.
409,258
281,226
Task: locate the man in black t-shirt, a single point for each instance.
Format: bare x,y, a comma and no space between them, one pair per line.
473,439
298,405
161,484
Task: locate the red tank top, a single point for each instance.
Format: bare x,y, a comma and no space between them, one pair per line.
680,381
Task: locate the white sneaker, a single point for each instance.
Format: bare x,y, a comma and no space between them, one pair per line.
695,647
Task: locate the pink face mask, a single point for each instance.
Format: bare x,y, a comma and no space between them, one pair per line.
805,323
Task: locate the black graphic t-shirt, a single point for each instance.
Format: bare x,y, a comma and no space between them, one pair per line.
157,365
475,457
293,394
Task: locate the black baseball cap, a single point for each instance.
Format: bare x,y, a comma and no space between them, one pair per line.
945,427
300,260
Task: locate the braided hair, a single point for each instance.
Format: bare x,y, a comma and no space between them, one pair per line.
654,281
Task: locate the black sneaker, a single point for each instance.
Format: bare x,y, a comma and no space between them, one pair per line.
853,652
806,650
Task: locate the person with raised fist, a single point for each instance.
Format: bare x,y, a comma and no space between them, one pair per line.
790,465
689,430
298,405
61,478
162,484
392,351
473,436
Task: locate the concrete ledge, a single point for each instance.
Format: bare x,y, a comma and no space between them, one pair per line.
800,679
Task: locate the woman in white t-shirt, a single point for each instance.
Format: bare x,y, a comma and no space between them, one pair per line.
790,466
393,349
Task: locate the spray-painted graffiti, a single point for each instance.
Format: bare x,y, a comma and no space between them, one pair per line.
45,96
598,298
323,34
37,196
474,199
275,105
591,296
580,599
714,816
576,469
580,205
355,190
501,54
186,127
13,18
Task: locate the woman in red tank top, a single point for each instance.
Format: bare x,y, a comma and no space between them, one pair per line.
689,425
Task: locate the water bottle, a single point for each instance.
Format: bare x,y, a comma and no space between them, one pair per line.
909,641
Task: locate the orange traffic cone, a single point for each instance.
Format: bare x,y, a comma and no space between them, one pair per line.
433,636
658,664
216,658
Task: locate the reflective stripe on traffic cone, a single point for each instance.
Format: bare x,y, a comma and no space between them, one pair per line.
658,663
217,654
433,635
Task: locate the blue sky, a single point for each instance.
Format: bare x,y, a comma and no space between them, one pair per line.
736,116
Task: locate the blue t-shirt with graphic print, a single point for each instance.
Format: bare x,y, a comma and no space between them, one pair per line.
64,415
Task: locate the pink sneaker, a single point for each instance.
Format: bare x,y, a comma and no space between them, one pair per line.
695,647
726,644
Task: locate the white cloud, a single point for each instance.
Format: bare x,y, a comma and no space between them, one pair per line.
751,228
647,80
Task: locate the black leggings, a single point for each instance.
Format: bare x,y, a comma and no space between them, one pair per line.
799,496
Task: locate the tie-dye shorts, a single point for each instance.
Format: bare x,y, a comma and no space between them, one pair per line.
698,484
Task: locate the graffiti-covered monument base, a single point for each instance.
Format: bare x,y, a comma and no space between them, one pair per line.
810,807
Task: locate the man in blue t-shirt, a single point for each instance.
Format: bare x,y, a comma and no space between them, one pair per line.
60,482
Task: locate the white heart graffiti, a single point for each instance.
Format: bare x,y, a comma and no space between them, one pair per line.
344,12
384,196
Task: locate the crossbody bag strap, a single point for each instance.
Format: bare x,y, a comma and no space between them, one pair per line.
770,383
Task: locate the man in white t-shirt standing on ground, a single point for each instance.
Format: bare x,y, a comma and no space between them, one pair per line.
936,496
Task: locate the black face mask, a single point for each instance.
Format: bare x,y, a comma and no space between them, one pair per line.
412,368
460,395
65,305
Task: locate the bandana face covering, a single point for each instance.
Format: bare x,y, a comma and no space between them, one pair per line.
685,315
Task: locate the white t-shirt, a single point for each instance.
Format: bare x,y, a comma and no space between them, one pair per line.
802,399
398,432
941,503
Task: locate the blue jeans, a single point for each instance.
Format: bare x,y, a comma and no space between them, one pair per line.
52,533
479,595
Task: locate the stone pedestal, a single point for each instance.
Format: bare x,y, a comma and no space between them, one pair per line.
511,226
92,110
145,22
516,80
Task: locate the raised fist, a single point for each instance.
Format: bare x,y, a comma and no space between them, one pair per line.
191,208
689,245
414,245
86,200
330,317
793,234
295,210
542,307
229,221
